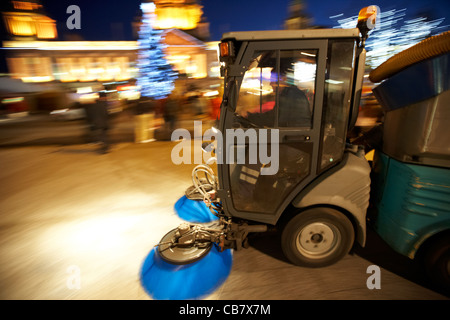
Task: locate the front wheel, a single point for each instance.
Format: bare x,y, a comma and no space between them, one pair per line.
317,237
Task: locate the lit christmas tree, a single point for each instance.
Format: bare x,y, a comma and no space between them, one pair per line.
156,77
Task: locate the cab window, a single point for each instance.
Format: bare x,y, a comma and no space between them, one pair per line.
257,97
296,87
278,89
337,101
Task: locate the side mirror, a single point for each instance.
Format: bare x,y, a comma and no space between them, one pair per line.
208,147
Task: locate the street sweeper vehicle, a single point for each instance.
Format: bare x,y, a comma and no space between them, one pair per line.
283,160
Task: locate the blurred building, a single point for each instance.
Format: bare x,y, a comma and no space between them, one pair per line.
297,16
186,15
26,20
70,61
191,56
186,32
32,53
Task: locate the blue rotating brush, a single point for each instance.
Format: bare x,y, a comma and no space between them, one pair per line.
166,281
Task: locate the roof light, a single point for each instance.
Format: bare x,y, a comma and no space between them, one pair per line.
224,50
367,17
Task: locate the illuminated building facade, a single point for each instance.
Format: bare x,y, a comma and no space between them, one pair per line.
71,61
188,55
186,15
26,20
185,34
33,53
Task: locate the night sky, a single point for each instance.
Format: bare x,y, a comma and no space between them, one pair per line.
100,17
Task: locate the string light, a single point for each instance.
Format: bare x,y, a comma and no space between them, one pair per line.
393,33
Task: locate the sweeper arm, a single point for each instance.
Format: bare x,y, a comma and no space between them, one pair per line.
190,242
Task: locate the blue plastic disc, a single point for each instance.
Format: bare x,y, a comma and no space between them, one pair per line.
165,281
193,211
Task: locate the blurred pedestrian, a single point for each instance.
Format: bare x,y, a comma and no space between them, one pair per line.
215,107
199,104
170,112
98,120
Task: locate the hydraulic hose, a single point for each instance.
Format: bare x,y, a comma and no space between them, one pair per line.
428,48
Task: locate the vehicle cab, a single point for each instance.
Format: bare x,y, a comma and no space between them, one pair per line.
290,97
305,85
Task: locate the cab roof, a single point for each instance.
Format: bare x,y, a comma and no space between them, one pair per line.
292,34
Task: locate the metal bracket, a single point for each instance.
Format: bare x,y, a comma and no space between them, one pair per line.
236,70
222,193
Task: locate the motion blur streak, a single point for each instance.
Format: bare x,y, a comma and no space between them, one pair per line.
164,281
193,211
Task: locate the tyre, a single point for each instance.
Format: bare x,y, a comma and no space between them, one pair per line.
317,237
437,262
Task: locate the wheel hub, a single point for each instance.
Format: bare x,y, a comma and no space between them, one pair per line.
183,254
317,240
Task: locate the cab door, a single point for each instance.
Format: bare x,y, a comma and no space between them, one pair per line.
272,132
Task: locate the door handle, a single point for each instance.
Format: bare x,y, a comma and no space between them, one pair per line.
296,138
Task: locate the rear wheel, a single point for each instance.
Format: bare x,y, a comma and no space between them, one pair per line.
437,262
317,237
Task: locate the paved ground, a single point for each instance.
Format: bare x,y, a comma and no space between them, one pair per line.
67,211
77,225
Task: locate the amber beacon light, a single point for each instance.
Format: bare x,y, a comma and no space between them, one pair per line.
367,19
